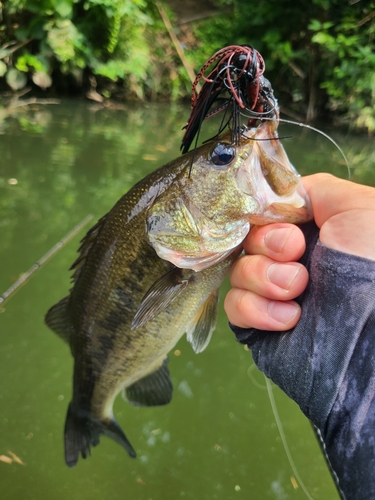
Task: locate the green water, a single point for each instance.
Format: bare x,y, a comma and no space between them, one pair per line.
218,438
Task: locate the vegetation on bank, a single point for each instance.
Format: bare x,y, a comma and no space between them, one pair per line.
320,54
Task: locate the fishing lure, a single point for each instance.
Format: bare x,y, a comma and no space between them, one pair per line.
235,82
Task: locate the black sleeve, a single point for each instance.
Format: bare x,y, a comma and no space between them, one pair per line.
327,362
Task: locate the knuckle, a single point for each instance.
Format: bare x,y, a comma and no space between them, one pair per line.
250,265
243,303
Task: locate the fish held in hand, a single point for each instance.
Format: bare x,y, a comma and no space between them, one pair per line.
150,269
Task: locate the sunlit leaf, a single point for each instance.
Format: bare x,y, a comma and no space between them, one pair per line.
3,68
63,38
64,8
15,79
16,458
42,79
4,53
27,61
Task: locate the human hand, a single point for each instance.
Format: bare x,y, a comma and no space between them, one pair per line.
267,279
325,361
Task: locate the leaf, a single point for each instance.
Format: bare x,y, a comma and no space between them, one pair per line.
3,68
315,25
15,458
4,53
15,79
64,8
28,60
323,39
64,38
42,79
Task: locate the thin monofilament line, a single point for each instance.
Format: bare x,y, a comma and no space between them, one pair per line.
324,135
283,438
315,130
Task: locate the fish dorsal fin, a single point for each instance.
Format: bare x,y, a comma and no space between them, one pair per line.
86,244
58,320
200,331
154,389
160,295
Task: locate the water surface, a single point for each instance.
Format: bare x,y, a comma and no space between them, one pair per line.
218,438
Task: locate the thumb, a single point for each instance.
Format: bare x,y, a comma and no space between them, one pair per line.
330,196
344,212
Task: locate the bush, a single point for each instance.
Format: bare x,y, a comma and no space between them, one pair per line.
50,42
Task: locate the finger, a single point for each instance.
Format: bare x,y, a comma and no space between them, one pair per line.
281,242
249,310
270,279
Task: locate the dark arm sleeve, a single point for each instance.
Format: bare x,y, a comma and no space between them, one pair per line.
327,362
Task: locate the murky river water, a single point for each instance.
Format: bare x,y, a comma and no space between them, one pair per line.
218,438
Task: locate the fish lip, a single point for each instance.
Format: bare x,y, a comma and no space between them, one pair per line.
273,205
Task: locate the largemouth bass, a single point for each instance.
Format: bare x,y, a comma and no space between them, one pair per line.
150,269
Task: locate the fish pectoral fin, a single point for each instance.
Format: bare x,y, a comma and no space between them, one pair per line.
200,331
82,431
57,319
154,389
160,295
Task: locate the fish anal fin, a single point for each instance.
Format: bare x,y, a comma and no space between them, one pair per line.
200,331
154,389
58,320
164,291
82,431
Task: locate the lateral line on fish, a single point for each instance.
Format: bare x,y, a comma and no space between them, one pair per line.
60,244
283,438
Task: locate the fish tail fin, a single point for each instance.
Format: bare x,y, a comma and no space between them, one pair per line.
82,431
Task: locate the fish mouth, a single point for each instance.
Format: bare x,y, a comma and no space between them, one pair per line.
268,176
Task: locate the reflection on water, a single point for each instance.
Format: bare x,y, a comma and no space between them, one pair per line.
218,438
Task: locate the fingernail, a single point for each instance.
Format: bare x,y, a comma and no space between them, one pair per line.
283,275
284,312
276,238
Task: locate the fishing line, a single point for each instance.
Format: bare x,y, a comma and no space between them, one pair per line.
258,139
319,132
252,378
25,276
324,135
283,438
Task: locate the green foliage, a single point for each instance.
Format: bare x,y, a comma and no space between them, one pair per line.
349,78
319,54
48,41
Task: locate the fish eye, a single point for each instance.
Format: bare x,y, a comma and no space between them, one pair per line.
222,154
